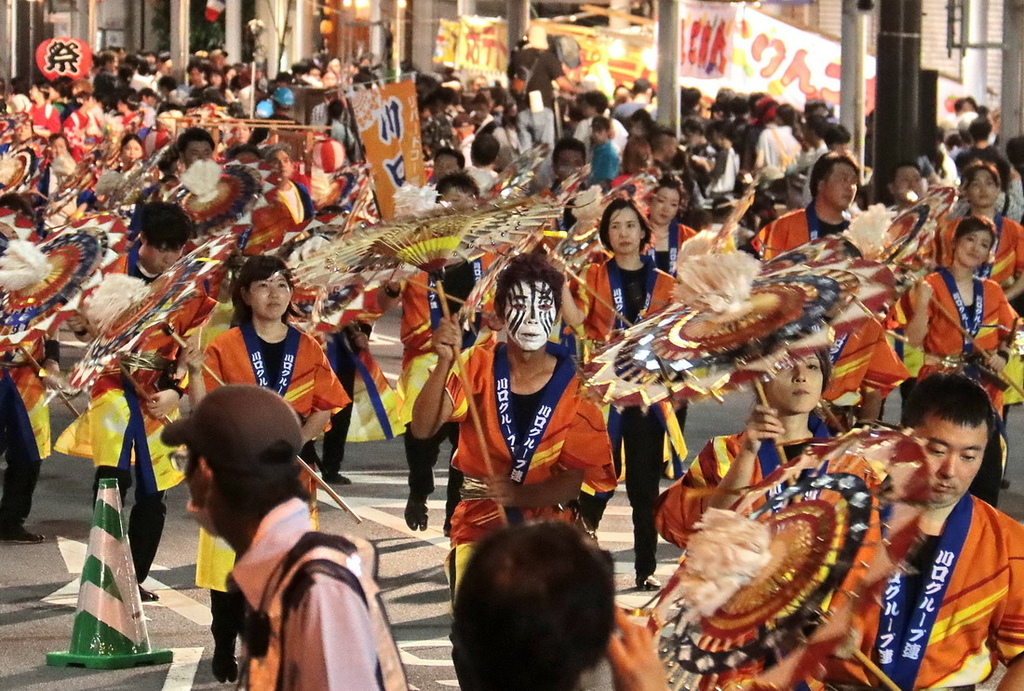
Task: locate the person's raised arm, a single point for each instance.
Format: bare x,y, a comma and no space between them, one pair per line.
571,312
917,327
762,425
433,407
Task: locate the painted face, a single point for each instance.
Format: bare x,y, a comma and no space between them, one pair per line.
530,314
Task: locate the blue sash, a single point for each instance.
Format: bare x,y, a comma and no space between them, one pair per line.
133,263
903,632
135,436
434,301
259,369
522,450
337,349
985,270
615,281
20,427
970,322
814,223
836,350
673,246
768,455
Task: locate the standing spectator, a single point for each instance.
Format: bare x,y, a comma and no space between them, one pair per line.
777,147
640,100
604,160
726,166
532,70
106,84
482,155
592,104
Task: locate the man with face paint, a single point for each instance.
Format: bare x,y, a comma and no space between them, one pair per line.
542,437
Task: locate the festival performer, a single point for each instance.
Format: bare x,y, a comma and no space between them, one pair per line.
421,314
120,429
267,351
288,204
83,128
833,184
954,300
543,438
24,423
865,370
729,464
943,622
623,289
667,233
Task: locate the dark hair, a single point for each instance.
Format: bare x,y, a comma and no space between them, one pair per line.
976,166
596,100
825,164
600,123
17,202
1015,150
606,220
980,129
669,182
194,134
974,224
693,125
836,134
454,153
165,225
951,397
906,163
723,128
568,144
130,137
167,82
234,152
458,182
484,150
528,268
553,616
258,267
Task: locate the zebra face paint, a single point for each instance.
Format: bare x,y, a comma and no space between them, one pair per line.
530,314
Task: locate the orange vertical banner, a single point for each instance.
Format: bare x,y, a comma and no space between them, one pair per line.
389,124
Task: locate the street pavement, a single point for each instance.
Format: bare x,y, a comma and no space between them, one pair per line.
39,583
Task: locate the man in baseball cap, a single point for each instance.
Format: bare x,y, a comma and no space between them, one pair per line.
245,485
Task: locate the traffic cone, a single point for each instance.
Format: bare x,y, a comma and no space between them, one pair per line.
109,632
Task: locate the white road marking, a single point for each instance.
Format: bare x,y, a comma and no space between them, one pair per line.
410,658
182,673
74,553
179,602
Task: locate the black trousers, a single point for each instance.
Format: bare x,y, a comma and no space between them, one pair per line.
145,522
228,613
20,479
422,454
643,439
334,438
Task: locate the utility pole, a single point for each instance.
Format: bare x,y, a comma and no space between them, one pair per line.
897,86
233,30
518,22
668,64
179,38
851,79
1011,93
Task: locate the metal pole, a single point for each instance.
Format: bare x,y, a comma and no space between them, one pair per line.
975,61
1011,94
398,46
376,31
179,38
897,87
851,79
668,64
233,30
518,21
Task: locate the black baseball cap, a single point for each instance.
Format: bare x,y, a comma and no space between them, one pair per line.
240,429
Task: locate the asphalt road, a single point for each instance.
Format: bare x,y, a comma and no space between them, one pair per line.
38,583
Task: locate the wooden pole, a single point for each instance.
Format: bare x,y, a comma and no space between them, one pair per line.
874,669
763,399
41,373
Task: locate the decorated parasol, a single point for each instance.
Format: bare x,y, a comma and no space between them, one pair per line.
180,297
756,583
15,168
110,225
43,284
219,197
16,225
520,172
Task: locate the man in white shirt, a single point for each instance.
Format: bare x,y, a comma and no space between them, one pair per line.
314,616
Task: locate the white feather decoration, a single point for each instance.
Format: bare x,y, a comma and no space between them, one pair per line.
868,230
108,183
411,200
307,249
9,167
587,207
201,179
22,265
726,553
115,294
716,282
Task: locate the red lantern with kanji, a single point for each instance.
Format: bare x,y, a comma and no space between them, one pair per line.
64,57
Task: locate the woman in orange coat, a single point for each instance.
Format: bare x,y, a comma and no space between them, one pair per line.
624,289
265,350
954,300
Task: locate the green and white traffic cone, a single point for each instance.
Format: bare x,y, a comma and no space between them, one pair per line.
109,632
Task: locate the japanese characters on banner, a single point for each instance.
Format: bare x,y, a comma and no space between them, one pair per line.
64,57
481,46
389,126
